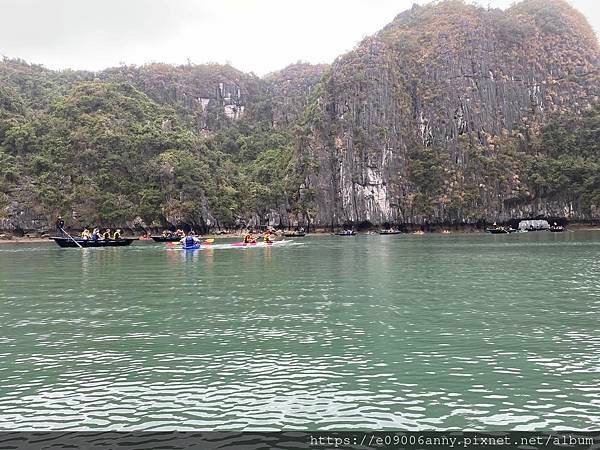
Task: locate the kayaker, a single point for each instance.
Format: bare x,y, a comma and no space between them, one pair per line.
249,239
117,235
267,237
189,241
106,235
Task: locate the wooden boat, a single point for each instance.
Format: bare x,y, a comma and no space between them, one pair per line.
166,238
68,242
386,232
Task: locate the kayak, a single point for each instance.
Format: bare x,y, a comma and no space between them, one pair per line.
258,244
191,247
207,245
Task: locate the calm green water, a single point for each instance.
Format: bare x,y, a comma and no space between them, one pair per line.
411,332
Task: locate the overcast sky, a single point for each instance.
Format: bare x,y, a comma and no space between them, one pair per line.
253,35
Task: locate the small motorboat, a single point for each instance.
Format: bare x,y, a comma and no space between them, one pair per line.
390,231
346,233
68,242
294,234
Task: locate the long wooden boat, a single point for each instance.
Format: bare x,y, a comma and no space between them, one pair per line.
68,242
166,238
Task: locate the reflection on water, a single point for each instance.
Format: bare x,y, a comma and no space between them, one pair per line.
476,332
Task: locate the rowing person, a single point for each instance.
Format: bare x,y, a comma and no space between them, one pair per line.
60,225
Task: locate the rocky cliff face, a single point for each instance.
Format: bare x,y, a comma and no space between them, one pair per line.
432,118
291,90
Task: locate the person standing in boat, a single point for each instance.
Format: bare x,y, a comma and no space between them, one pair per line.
60,225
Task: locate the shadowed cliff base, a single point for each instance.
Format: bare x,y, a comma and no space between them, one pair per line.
450,114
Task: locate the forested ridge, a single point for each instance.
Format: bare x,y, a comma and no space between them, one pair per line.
451,113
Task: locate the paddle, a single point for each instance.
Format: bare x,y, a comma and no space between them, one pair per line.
78,244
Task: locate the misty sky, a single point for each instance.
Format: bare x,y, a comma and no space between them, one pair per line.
253,35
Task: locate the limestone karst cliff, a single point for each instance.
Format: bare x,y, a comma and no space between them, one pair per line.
434,117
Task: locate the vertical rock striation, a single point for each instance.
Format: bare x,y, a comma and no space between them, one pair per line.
430,119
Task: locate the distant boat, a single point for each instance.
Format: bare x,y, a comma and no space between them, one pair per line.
294,234
557,229
166,238
419,232
534,225
68,242
390,231
346,233
499,230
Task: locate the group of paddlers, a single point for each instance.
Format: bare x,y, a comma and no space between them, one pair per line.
178,233
250,239
97,235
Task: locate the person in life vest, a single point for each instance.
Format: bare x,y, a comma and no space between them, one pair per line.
267,237
189,241
106,234
85,234
117,235
95,234
249,239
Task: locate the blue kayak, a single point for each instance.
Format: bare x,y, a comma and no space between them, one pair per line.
191,247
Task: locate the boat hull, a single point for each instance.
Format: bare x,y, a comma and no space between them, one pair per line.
166,239
66,242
